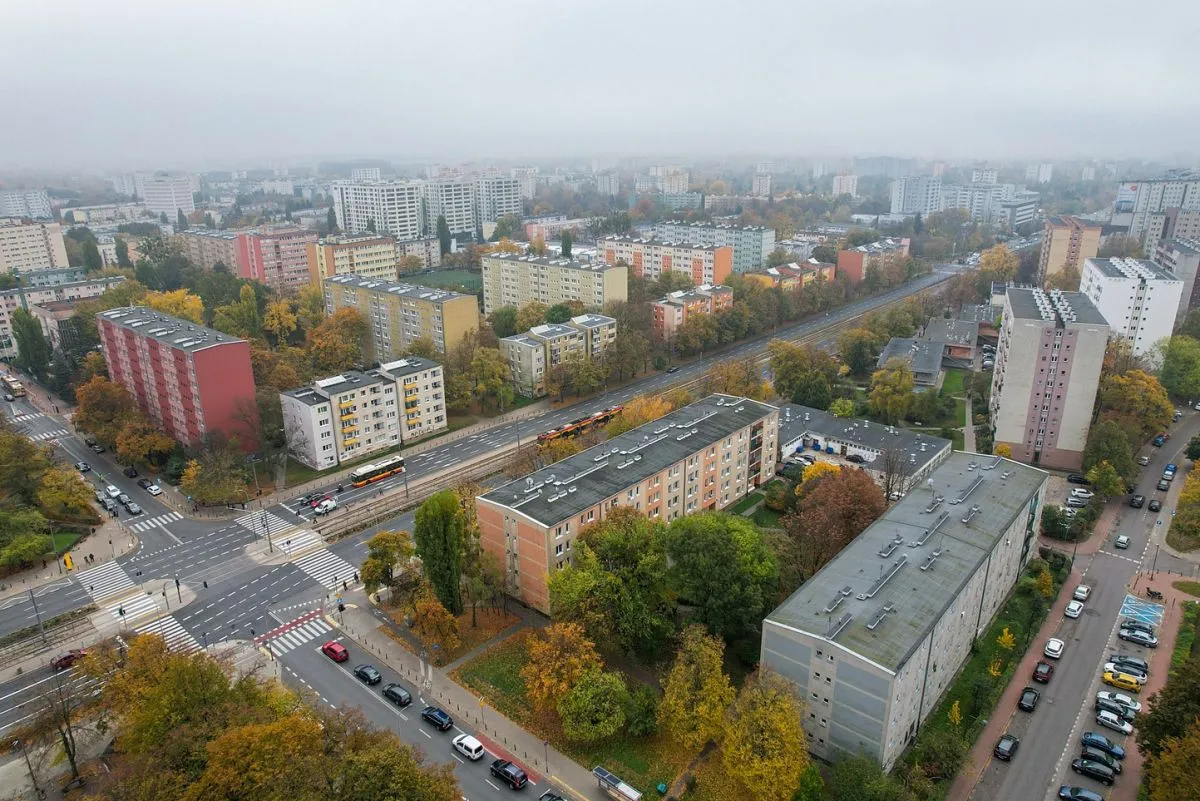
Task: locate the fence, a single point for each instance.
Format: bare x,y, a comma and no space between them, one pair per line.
32,645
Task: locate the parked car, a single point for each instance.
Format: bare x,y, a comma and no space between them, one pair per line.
109,505
1122,681
82,467
130,471
1079,478
1074,609
1122,542
1096,755
97,449
1159,441
1077,503
1163,485
1155,505
335,651
397,695
1082,592
1120,698
1139,675
1043,672
1080,492
133,508
9,397
1137,625
1168,475
1096,770
510,773
1054,648
1029,699
153,489
124,499
1170,468
1006,747
64,661
1091,739
1111,721
368,673
1143,460
1123,712
1069,793
1137,501
101,497
468,746
1138,637
855,458
144,482
438,717
112,491
1129,659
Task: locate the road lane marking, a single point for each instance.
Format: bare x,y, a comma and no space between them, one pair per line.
427,735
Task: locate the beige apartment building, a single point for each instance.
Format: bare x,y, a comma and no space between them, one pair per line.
1067,242
421,384
398,314
206,248
367,255
702,457
28,246
539,350
29,296
514,280
341,418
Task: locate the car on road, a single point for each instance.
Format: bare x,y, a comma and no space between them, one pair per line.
1138,637
1143,460
335,651
1054,648
1069,793
1091,739
1074,609
1029,699
144,482
1170,468
112,491
1006,747
1080,492
1159,441
133,508
1155,505
124,499
326,506
438,717
510,773
1096,770
1082,592
109,504
1119,698
8,397
130,472
1096,755
1043,672
1137,501
1129,659
101,497
1122,542
368,673
1122,681
82,467
550,795
64,661
97,448
672,369
856,458
1137,625
1111,721
1076,503
154,489
468,746
397,695
1123,712
1141,676
1163,485
1079,478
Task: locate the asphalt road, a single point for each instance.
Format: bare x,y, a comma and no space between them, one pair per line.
1050,735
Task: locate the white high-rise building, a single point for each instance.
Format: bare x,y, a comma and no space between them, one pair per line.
496,197
1139,299
981,201
760,185
359,174
453,198
1087,173
981,175
1044,173
391,207
1162,208
845,185
916,194
166,193
677,182
608,184
126,184
22,203
526,181
31,246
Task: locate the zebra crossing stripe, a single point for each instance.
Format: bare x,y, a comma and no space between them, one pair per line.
296,637
45,435
326,568
20,418
105,580
151,522
135,607
257,521
176,636
298,541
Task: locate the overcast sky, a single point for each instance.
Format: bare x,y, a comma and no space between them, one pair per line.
133,83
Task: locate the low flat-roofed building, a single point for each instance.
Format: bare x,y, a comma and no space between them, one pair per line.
924,358
60,325
984,314
957,337
673,310
793,275
873,640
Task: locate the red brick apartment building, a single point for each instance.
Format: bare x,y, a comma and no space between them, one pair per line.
277,257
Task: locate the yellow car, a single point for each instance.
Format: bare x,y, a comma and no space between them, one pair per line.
1122,681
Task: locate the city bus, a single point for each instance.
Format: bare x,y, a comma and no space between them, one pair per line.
13,386
377,472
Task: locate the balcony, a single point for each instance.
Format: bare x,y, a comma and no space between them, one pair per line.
345,404
347,416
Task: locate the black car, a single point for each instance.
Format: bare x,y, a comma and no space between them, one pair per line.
1163,485
672,369
369,674
1098,771
130,471
1156,505
551,795
438,717
1137,625
510,773
1120,710
1138,637
97,449
1068,793
144,482
1029,699
1079,478
1137,501
855,458
1127,659
1006,746
1091,739
1096,755
397,695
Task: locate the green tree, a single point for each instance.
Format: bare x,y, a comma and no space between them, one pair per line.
1193,448
531,314
594,708
857,348
122,248
1176,767
697,691
842,407
1106,481
566,244
892,391
1107,442
559,655
438,534
559,313
1172,710
92,261
504,321
1180,373
813,390
491,383
240,319
181,223
386,551
331,221
443,234
33,349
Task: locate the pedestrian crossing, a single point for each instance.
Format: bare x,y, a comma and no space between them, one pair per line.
298,541
254,522
327,569
305,628
21,418
151,522
176,636
105,580
133,607
47,435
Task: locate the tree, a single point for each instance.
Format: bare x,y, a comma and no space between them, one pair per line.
628,354
764,748
443,234
279,320
1107,442
565,240
531,314
1003,449
830,513
504,321
1121,247
1176,767
410,264
122,248
1181,367
1172,710
241,319
998,263
60,719
178,303
434,625
181,223
740,378
857,348
217,477
955,715
385,551
438,534
1193,448
815,471
559,655
337,341
892,391
310,306
697,691
1106,482
63,494
1138,402
1006,640
842,407
103,408
491,379
1045,584
640,409
594,707
558,313
139,440
721,566
92,261
33,349
331,220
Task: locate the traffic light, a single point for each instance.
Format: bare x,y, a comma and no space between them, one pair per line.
341,607
121,611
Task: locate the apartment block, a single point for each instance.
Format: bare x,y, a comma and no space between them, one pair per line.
984,175
428,250
916,194
32,203
166,193
26,297
514,280
1019,211
608,184
399,314
793,276
1181,258
599,331
1165,208
845,185
702,457
852,264
874,639
206,248
60,325
751,244
454,199
368,255
28,246
341,418
361,174
495,197
1066,243
526,178
674,310
277,257
649,258
422,393
981,202
760,186
1047,371
533,354
385,207
1138,299
192,381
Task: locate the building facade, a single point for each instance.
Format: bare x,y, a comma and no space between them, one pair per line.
454,199
277,257
1159,204
981,202
26,297
60,325
206,248
421,386
875,638
427,250
385,207
1181,258
341,418
649,258
608,184
702,457
673,311
751,243
192,381
532,356
852,264
793,276
495,197
363,174
760,186
32,203
399,314
845,185
367,255
28,246
166,193
1066,243
514,280
917,194
1138,299
1047,372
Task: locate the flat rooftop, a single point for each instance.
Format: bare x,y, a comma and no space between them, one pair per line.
1069,307
657,241
1182,245
552,261
579,482
796,421
170,331
716,226
984,313
881,595
952,332
347,380
1132,269
523,339
553,331
593,320
409,365
922,356
394,288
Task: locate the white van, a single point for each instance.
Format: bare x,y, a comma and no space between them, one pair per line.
469,747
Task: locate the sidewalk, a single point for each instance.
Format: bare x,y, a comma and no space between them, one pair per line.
514,742
110,541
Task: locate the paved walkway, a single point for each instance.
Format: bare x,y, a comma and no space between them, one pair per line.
110,541
968,429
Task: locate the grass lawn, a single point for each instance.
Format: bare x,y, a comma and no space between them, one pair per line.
745,504
954,382
64,540
1185,643
959,440
960,412
1190,587
469,637
1180,541
767,518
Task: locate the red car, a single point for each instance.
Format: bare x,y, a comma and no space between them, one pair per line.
64,661
335,651
1042,672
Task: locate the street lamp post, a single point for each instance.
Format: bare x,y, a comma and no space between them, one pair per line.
267,532
1154,567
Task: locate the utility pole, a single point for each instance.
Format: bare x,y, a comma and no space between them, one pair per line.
38,614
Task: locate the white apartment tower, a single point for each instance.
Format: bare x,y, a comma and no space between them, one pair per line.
167,193
391,207
495,197
845,185
608,184
760,185
526,181
360,174
1166,208
30,246
916,194
983,175
1139,299
21,203
453,198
